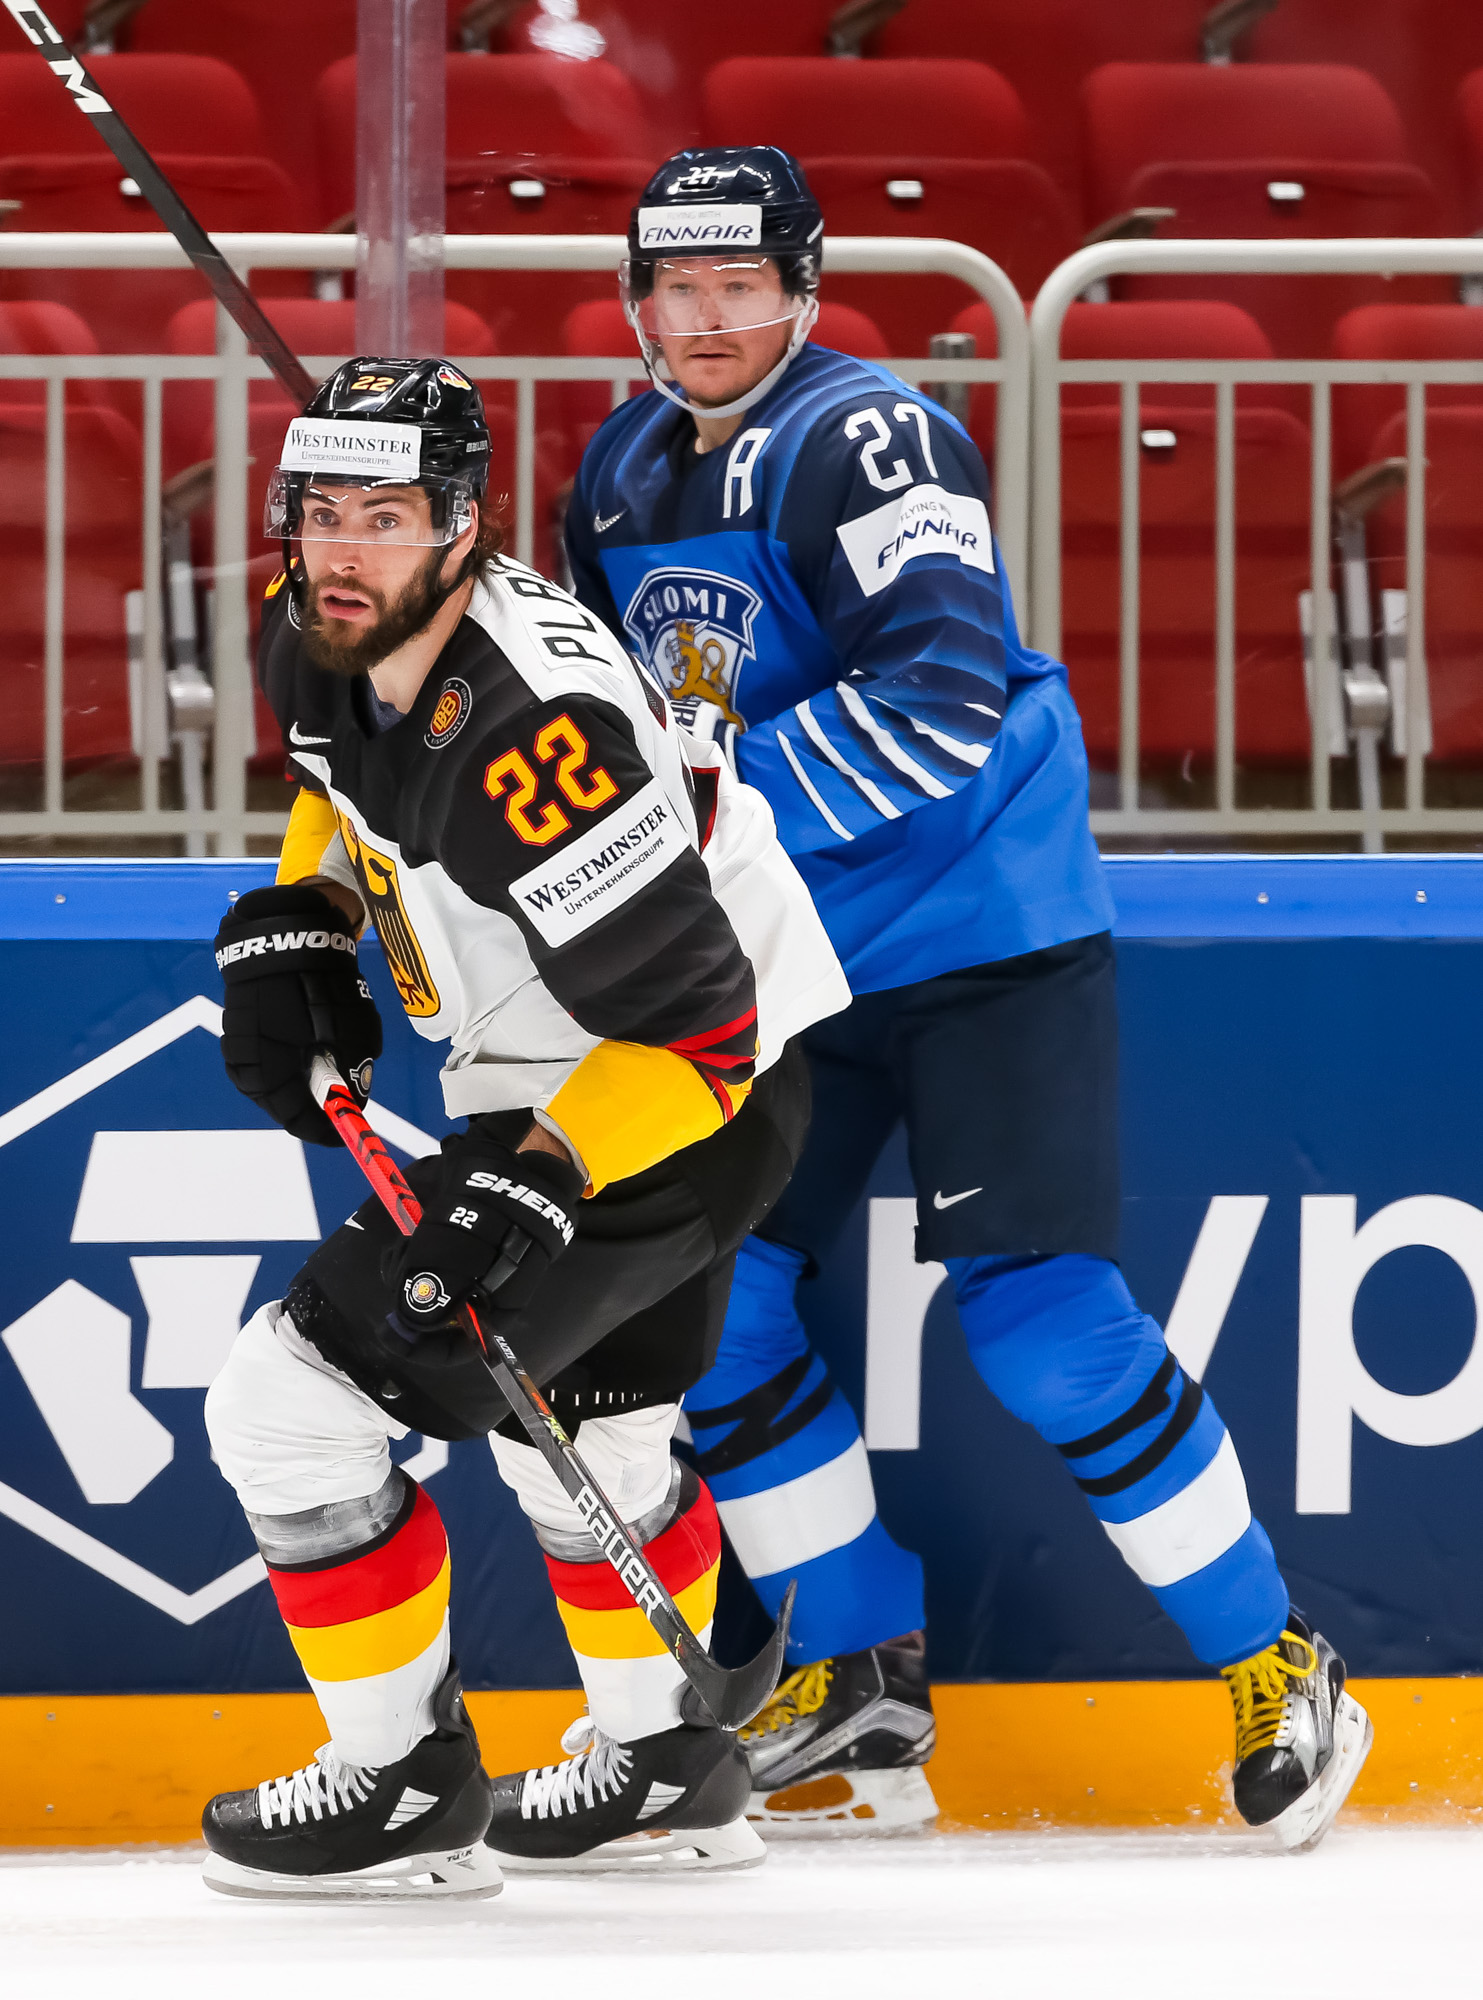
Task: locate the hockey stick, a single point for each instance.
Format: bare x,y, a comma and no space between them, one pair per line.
162,198
732,1694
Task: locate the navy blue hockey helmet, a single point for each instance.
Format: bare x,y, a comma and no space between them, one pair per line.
739,238
709,200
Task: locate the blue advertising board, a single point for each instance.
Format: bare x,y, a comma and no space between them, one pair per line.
1303,1206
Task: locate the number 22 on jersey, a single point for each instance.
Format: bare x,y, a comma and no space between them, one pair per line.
512,778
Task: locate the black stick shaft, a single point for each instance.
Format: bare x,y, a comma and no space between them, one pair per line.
162,198
733,1695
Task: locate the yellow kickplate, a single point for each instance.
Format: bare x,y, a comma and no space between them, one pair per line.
87,1770
813,1795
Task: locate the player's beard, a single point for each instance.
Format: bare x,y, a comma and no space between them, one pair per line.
352,650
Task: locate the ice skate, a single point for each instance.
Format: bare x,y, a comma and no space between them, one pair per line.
670,1801
840,1746
1301,1739
340,1833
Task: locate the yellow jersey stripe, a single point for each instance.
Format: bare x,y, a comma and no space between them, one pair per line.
311,828
625,1106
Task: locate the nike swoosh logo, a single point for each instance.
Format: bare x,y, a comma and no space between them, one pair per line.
296,736
941,1200
602,522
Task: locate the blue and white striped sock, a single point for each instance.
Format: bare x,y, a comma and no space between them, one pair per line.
781,1451
1061,1343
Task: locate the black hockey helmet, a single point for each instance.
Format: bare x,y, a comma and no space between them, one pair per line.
386,423
711,199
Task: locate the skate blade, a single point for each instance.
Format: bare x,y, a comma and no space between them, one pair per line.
1308,1819
458,1875
846,1805
661,1853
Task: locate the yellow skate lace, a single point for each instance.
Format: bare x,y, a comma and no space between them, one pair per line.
1259,1688
800,1694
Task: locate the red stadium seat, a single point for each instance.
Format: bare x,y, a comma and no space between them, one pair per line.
665,47
179,104
903,149
1177,486
103,553
1470,114
1259,151
234,31
1045,48
1399,333
1454,572
66,16
570,158
1157,330
39,326
1177,584
1416,48
199,118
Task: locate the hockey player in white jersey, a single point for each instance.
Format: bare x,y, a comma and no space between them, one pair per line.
599,918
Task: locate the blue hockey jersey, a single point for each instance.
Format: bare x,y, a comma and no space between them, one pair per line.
828,581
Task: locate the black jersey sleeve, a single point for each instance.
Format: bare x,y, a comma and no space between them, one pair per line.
557,819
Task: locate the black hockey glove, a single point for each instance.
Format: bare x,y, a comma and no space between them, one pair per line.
493,1207
287,959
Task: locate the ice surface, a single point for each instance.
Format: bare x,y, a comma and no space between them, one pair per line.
1374,1912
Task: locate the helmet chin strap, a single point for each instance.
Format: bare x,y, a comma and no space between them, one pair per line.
653,355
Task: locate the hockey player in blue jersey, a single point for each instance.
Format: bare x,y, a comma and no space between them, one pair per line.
797,548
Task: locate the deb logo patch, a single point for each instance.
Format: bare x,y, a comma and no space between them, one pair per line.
450,715
597,874
693,630
924,522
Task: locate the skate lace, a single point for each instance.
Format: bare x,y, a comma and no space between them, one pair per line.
599,1770
800,1694
1260,1690
325,1786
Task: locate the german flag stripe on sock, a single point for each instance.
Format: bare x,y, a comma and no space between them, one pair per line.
603,1623
374,1610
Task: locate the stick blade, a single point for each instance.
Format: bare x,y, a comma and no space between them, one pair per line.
734,1695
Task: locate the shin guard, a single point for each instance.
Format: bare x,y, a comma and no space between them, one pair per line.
369,1621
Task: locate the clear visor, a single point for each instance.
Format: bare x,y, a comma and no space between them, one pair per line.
325,507
699,295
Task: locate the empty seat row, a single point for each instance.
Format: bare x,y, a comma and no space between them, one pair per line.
1417,49
1177,482
1272,456
925,147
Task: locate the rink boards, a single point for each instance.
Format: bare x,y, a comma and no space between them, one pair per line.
1303,1188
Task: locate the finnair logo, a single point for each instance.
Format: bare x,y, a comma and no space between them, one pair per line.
598,874
924,522
711,225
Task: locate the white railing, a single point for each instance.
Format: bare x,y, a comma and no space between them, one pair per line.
1462,256
226,819
1030,373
